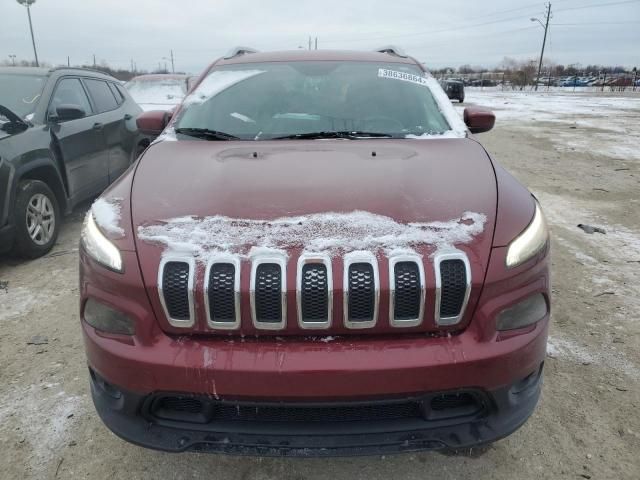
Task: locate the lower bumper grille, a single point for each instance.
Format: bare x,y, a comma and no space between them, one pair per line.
204,410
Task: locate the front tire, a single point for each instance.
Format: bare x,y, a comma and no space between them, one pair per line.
36,218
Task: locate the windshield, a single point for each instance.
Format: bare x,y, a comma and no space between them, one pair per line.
160,91
271,100
20,93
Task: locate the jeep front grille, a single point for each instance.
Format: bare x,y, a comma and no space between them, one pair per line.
268,292
453,285
314,291
222,293
407,290
175,285
361,290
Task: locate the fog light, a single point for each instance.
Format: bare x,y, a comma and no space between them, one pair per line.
527,312
106,319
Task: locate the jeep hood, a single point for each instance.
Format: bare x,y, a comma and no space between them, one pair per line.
405,182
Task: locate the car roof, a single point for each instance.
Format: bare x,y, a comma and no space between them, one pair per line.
160,76
44,72
316,55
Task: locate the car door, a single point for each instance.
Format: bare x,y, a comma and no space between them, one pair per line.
113,119
80,141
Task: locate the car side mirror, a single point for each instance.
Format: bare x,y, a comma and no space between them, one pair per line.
479,120
69,112
153,122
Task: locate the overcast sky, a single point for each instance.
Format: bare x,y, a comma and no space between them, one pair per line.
438,32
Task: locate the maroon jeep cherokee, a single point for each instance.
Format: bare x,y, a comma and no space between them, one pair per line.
316,257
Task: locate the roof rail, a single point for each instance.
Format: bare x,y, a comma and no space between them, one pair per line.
84,69
392,50
237,51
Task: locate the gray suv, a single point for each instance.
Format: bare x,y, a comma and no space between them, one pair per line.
65,135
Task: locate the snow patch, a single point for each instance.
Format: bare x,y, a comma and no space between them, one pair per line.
107,214
216,82
457,125
321,232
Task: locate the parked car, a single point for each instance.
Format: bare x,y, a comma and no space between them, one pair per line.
454,89
158,91
65,135
316,257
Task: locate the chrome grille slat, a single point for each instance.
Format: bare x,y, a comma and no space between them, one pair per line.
406,290
222,292
361,290
268,292
314,291
453,286
175,288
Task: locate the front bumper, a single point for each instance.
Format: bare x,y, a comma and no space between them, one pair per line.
501,412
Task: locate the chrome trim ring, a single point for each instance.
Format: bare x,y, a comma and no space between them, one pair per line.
325,260
350,259
235,261
439,257
401,258
176,322
281,260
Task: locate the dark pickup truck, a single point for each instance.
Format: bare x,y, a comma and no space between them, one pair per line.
65,135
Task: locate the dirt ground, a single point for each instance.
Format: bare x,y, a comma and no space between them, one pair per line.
587,424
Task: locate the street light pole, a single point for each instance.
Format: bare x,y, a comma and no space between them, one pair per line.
28,3
544,41
13,59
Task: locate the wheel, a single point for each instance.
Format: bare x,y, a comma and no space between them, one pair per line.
37,219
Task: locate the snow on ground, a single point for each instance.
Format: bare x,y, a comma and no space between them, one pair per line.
608,116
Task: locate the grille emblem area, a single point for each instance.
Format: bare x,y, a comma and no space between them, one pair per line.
222,292
361,290
268,292
314,291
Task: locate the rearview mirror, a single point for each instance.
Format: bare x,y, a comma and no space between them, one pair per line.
69,112
479,120
153,122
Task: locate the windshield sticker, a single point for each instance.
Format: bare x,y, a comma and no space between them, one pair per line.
405,77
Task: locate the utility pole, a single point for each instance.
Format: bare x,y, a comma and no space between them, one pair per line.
94,60
309,42
316,43
28,3
545,25
68,61
13,59
132,65
173,67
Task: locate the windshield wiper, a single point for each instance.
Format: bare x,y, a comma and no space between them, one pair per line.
351,135
206,134
15,123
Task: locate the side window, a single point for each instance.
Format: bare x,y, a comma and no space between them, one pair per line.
101,94
116,93
69,91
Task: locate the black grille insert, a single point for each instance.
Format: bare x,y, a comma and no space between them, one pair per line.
175,288
314,293
268,293
221,292
453,277
408,291
361,292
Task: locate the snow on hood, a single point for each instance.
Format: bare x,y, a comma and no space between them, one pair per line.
322,232
107,215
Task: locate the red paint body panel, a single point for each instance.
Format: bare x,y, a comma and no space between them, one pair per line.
298,368
409,181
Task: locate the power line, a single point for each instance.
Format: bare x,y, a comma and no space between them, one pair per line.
595,23
595,5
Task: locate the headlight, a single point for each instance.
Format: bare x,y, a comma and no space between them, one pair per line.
99,247
531,241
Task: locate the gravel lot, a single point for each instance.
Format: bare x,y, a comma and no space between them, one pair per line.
578,153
